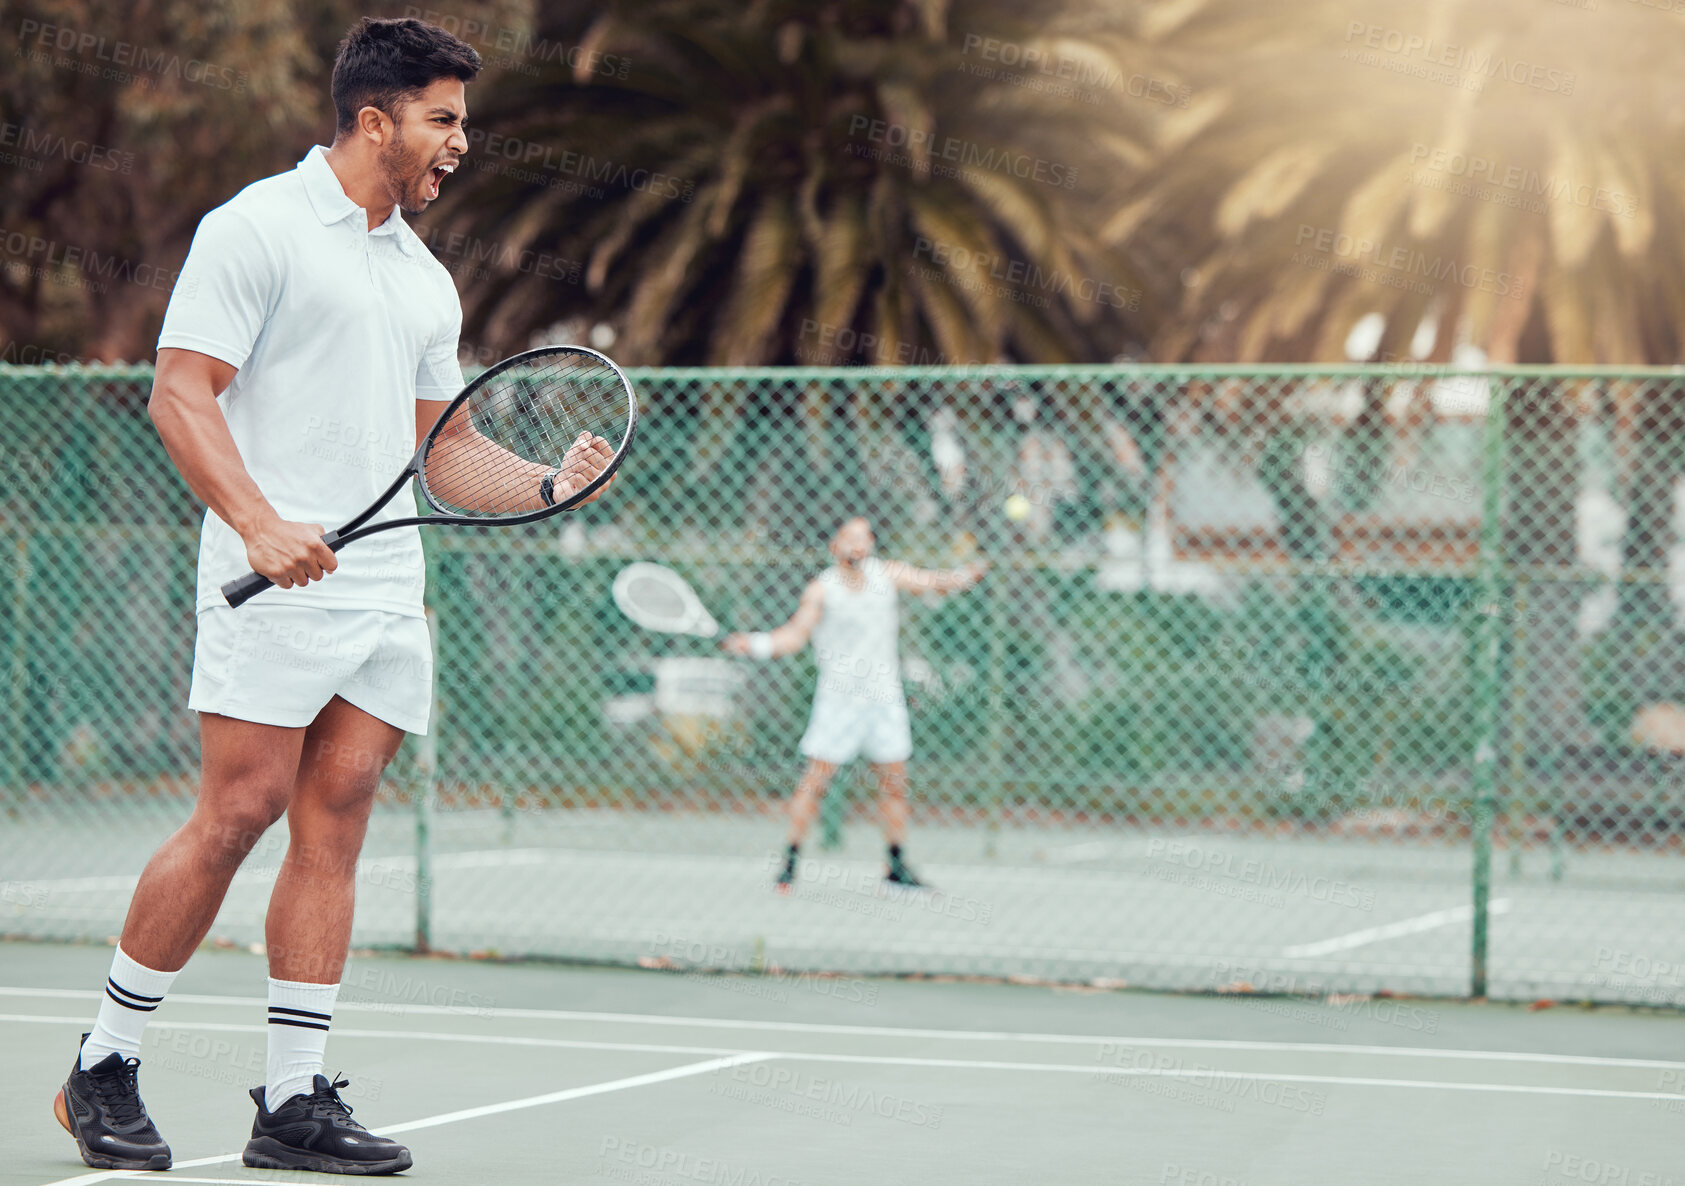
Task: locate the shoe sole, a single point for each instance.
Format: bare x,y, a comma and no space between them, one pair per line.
61,1113
267,1153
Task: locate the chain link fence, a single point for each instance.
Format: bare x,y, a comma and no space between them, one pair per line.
1300,680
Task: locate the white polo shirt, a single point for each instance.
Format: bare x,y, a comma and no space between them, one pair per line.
336,331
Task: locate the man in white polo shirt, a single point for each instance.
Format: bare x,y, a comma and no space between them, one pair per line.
310,341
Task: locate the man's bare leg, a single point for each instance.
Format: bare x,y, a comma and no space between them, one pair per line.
892,805
308,929
804,804
247,776
892,800
804,807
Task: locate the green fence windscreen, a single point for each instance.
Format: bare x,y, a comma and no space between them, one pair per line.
1308,680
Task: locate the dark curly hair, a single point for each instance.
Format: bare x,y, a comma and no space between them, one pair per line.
384,64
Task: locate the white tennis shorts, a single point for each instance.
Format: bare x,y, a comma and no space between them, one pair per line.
281,664
844,727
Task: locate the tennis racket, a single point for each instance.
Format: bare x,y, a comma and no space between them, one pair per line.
657,598
508,449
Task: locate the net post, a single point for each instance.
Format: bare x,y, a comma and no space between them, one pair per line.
1487,680
423,791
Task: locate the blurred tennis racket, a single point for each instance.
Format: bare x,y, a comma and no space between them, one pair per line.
657,598
530,437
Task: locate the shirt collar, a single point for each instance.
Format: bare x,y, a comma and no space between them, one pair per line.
330,201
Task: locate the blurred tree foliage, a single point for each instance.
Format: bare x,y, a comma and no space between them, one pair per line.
907,180
121,124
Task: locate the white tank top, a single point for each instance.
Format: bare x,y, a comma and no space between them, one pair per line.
855,641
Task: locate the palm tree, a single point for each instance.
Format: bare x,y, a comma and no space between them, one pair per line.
783,181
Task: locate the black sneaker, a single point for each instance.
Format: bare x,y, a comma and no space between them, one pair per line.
787,877
101,1108
901,874
316,1132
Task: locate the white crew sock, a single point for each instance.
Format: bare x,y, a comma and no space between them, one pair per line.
132,992
299,1016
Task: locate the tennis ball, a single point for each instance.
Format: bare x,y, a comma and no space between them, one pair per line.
1017,508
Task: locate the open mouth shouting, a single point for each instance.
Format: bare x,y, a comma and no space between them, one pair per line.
436,175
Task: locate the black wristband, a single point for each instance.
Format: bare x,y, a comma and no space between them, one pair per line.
547,488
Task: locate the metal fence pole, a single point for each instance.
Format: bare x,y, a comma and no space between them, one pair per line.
18,701
995,778
424,791
1487,682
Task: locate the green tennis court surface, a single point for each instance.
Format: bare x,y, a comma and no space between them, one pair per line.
497,1073
1158,908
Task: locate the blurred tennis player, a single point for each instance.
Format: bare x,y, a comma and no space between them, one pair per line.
310,341
859,708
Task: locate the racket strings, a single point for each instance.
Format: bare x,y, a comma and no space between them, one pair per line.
656,599
516,425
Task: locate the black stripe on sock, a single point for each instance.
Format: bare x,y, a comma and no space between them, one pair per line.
301,1012
129,1004
303,1025
132,995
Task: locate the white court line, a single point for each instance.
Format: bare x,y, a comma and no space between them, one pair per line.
1410,926
531,1101
480,859
885,1031
1197,1072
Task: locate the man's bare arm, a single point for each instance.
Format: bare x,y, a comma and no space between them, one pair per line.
461,455
183,407
792,636
909,579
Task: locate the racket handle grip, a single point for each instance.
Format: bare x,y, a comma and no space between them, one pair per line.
242,589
